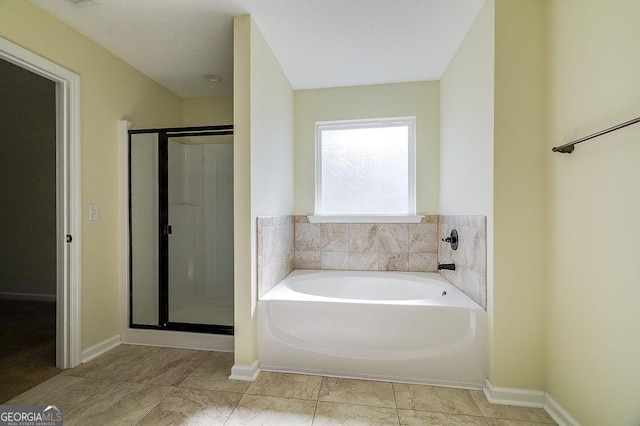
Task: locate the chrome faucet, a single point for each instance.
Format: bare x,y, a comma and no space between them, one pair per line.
447,266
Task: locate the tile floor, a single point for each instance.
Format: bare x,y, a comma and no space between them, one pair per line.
138,385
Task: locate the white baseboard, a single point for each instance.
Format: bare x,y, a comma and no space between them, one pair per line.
529,398
246,373
557,413
28,296
100,348
513,396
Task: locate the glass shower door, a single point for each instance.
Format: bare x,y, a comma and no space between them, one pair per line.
200,204
181,229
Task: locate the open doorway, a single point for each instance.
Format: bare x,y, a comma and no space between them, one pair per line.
28,275
40,251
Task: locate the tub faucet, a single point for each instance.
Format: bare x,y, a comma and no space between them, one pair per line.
448,266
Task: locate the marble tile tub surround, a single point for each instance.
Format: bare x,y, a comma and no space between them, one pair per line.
470,258
367,246
288,242
275,250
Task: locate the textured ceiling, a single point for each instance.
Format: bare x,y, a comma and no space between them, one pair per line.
319,43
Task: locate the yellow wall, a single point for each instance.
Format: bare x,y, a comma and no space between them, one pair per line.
467,133
517,309
466,122
243,287
593,319
419,99
263,166
212,110
111,91
493,163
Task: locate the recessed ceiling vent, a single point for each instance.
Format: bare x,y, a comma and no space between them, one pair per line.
83,3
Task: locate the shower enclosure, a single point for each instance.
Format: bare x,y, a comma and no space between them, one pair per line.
181,229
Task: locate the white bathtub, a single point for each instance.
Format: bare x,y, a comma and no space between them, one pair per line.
399,326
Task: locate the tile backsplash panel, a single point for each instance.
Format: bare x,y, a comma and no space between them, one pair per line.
470,258
286,243
367,246
275,251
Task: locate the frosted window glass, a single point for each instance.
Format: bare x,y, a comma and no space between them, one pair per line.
365,170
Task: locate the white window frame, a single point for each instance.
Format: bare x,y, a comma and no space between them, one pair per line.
410,215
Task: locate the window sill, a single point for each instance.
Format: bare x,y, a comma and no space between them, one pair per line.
365,219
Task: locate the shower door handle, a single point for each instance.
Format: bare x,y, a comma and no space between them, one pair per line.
167,230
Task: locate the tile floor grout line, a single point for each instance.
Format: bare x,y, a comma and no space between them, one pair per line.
233,410
395,401
236,406
281,397
155,406
359,404
315,409
194,369
119,381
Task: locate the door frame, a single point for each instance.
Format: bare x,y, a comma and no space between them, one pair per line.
68,199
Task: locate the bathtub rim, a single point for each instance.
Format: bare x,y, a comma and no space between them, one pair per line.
454,298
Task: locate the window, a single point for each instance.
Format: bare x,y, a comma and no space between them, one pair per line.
365,167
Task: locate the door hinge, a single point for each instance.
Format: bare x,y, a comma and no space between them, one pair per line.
69,238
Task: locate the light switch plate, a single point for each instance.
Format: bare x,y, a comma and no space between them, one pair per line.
94,211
